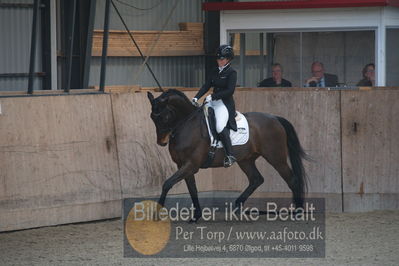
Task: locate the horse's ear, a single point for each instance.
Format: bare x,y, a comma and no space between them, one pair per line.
150,97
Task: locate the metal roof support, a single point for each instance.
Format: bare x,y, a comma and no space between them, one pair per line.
270,52
301,58
33,46
105,46
53,44
70,51
242,59
261,56
47,40
89,41
212,39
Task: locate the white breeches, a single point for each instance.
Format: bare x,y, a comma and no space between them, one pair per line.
221,114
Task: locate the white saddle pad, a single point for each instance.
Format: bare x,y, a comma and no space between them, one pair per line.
239,137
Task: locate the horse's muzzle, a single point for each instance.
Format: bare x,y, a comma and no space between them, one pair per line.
163,141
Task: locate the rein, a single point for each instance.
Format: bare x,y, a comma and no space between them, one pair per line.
174,129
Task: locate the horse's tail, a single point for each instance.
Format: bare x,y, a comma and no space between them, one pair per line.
296,154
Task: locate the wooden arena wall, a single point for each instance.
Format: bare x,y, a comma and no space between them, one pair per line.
66,159
58,161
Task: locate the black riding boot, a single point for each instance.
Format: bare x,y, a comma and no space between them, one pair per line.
225,138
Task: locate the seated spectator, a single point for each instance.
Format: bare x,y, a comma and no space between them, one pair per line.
320,78
368,76
277,78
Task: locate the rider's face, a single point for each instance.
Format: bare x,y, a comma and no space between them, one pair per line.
222,62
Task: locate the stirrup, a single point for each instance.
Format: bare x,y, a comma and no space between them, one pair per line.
229,160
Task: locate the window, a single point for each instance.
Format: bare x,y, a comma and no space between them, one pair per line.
343,53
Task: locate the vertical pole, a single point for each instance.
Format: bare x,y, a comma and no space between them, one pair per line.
301,59
270,52
105,46
211,39
242,59
380,55
33,46
261,56
89,41
53,45
70,51
344,57
45,25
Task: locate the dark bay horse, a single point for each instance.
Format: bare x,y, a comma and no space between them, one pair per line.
182,125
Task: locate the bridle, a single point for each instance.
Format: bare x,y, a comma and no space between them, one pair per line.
158,115
174,129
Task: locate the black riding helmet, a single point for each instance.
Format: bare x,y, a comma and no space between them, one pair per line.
225,51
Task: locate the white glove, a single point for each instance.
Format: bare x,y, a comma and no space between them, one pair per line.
208,98
194,101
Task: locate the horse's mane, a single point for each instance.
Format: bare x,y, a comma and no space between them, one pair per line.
170,92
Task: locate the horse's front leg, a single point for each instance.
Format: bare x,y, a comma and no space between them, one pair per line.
185,171
192,188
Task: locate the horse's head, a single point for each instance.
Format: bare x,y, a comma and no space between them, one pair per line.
166,111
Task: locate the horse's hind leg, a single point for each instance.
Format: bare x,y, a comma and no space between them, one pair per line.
279,162
254,177
192,188
285,171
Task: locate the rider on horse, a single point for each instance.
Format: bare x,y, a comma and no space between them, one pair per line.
223,80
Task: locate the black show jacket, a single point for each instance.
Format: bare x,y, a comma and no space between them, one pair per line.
224,84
